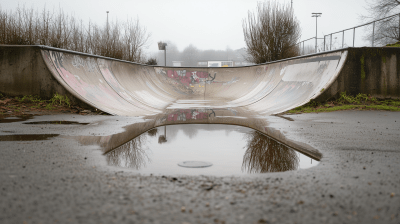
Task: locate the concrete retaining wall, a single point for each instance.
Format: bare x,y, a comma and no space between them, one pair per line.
23,72
374,71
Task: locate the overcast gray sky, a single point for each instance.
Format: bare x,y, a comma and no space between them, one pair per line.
208,24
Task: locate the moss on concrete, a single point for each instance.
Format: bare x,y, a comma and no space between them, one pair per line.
362,68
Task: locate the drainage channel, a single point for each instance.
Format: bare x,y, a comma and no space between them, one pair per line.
206,149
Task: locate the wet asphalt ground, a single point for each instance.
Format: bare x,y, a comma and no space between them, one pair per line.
61,181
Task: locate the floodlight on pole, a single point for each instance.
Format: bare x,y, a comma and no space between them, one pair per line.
316,15
163,46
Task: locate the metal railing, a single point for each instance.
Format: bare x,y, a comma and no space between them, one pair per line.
330,41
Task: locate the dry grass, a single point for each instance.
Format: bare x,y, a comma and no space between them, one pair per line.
25,26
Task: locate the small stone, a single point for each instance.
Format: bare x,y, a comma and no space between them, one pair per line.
207,204
183,209
392,195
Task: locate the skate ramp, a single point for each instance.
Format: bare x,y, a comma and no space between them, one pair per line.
129,89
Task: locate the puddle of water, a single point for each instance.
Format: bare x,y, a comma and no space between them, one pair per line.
27,137
233,150
57,122
15,119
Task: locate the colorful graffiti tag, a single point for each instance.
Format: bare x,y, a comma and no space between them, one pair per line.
188,114
190,79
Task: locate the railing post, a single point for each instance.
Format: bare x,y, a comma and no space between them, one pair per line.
343,39
331,42
399,27
354,35
373,33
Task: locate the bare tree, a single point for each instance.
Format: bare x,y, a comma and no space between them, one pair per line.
271,33
264,154
190,55
387,30
26,27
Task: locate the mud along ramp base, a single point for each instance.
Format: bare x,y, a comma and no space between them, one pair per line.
129,89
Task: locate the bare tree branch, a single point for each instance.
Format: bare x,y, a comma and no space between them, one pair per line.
387,30
271,33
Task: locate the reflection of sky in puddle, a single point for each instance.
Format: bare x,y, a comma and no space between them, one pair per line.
233,150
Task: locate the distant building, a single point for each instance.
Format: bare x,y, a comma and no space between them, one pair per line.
177,63
219,63
243,63
223,63
202,64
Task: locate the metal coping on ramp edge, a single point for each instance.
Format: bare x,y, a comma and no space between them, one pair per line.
114,59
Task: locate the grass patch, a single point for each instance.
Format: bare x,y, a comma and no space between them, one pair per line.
397,44
60,100
57,99
347,102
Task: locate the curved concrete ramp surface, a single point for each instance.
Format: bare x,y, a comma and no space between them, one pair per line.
129,89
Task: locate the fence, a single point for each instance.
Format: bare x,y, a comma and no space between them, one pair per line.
378,32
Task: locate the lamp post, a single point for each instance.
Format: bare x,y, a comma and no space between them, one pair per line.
107,23
107,19
163,138
316,15
162,46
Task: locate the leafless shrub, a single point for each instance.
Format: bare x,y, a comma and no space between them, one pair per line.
263,155
25,26
271,33
387,30
151,61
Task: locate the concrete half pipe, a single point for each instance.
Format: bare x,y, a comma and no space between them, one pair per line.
135,90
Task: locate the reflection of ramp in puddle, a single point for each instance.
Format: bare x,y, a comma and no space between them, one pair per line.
162,147
233,150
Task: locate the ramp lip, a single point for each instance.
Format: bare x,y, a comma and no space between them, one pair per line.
114,59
